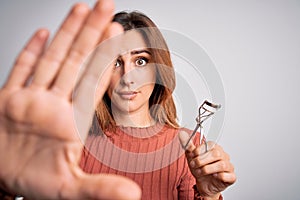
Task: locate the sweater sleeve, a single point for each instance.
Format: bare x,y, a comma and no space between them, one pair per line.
185,188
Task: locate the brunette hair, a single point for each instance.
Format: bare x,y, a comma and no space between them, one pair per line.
161,104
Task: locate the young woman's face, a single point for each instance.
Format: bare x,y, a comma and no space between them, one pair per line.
133,79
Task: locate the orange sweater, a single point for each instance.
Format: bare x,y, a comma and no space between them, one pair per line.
152,157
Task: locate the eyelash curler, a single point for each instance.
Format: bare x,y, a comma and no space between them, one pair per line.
206,110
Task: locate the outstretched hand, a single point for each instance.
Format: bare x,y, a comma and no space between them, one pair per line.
40,146
212,170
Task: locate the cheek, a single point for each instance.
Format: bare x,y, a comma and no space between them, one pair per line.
147,77
150,89
148,80
112,85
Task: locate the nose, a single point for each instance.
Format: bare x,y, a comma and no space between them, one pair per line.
128,69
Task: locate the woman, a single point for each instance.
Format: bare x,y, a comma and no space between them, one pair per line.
135,130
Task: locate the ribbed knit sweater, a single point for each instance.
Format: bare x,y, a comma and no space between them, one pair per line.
152,157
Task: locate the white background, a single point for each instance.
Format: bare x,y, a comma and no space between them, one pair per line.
256,48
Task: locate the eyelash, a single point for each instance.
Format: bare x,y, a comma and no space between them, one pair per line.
143,59
119,62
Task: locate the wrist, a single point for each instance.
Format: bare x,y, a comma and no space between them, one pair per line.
213,197
199,196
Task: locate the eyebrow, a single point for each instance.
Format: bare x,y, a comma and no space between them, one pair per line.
140,51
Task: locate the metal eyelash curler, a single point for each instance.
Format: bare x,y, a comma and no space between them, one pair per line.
206,110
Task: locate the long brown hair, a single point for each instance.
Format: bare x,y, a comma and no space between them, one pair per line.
161,104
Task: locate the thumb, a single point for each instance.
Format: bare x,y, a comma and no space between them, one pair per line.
185,143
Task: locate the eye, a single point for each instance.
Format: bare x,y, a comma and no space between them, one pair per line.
118,63
141,61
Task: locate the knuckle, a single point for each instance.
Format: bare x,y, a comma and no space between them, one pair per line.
229,178
204,170
216,153
197,151
223,165
26,57
197,162
51,56
14,109
234,178
219,148
210,143
77,54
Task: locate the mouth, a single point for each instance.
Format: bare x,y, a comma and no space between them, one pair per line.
127,95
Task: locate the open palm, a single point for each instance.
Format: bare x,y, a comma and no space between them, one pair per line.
39,142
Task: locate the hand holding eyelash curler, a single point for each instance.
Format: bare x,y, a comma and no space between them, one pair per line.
206,110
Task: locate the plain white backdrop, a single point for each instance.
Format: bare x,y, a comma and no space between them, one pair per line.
255,46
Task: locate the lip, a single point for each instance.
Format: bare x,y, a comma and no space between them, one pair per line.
127,95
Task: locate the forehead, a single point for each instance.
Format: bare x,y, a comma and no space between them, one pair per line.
132,40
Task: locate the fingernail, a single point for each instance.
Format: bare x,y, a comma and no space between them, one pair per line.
198,171
80,9
42,33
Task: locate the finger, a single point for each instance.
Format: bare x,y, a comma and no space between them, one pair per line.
184,138
217,167
27,59
113,32
188,145
227,177
103,186
55,54
204,148
214,155
99,68
89,37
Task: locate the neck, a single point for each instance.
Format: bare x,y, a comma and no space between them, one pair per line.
133,119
